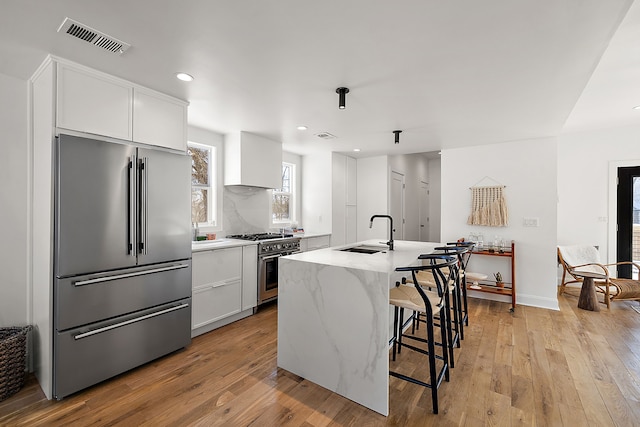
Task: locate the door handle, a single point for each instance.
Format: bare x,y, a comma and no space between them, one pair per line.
127,275
132,204
130,321
144,174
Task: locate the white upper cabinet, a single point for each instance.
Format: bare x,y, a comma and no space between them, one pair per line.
159,119
252,160
88,102
94,102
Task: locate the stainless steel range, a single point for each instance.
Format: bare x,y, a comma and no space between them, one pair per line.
271,246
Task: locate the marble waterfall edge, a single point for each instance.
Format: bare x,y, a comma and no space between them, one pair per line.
333,329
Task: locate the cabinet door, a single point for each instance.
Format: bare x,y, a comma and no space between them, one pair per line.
351,178
249,277
159,120
93,103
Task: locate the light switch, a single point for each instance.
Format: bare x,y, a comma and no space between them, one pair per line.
531,222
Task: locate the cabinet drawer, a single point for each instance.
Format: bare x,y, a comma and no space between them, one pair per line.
93,353
215,302
220,265
319,242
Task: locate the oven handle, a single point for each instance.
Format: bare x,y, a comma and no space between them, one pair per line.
270,257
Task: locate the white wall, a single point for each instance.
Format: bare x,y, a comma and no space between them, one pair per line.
584,187
14,178
528,169
316,188
373,190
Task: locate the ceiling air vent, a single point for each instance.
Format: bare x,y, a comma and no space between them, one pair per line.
88,34
325,135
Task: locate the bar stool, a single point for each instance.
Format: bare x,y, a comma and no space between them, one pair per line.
464,258
429,303
459,289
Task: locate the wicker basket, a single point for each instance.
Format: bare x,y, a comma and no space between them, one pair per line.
13,356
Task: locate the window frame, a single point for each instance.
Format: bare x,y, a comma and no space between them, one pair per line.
291,193
212,187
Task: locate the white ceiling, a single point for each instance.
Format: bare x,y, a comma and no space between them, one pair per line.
447,73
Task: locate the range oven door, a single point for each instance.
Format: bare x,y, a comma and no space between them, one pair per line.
268,278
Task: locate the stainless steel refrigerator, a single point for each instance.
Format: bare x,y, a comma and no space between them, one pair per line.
122,258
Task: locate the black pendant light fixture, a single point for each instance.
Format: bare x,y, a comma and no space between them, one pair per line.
397,133
342,92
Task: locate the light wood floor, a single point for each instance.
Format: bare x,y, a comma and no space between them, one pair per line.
533,367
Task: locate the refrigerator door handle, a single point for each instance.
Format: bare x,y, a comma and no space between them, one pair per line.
130,321
127,275
144,168
132,204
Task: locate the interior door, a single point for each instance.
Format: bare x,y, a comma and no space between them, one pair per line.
628,206
397,204
423,214
165,206
92,206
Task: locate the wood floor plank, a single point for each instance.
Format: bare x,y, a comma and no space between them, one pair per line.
532,367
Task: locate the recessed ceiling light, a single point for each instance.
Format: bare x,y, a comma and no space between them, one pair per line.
356,150
302,128
184,77
440,152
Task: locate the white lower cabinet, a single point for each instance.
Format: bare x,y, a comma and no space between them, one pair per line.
313,243
215,302
249,277
224,287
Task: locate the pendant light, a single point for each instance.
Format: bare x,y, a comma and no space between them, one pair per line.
342,92
397,133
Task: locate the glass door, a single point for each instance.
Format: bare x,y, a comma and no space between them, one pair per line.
628,204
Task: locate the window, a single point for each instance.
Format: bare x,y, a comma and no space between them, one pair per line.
203,188
283,202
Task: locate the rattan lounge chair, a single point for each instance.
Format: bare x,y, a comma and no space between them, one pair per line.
587,258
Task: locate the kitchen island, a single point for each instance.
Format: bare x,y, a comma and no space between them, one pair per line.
334,318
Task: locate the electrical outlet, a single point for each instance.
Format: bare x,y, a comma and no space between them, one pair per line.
530,222
602,219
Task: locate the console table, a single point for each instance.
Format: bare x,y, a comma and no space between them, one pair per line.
509,253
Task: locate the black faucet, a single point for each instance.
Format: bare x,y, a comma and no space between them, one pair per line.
391,230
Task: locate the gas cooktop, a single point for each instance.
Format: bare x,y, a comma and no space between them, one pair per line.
259,236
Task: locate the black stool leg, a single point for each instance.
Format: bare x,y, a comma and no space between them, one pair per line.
395,331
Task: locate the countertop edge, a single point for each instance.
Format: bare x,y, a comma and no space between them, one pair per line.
228,243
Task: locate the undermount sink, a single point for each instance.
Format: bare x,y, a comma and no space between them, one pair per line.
365,249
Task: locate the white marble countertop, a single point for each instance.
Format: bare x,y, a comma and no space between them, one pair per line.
405,253
327,294
207,245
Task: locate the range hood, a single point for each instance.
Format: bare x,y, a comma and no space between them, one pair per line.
251,160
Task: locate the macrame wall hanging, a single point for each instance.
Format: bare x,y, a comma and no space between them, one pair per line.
488,206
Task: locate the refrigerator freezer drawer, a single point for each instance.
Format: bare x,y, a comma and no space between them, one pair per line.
86,356
86,299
